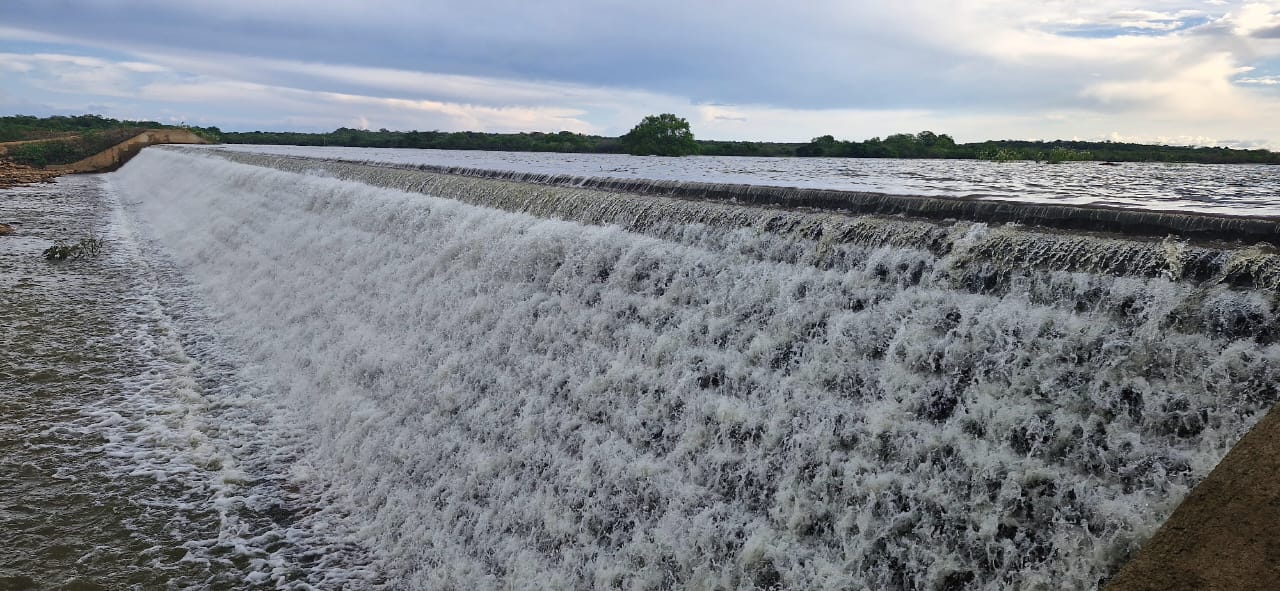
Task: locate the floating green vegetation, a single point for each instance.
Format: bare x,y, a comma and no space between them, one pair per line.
1059,154
61,250
997,154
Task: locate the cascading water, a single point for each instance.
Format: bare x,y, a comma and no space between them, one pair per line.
655,393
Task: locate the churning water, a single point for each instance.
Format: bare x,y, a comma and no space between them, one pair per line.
134,452
327,374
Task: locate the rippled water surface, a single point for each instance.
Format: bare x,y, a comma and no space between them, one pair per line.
1228,189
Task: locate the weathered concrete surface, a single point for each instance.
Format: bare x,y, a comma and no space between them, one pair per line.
115,156
1226,534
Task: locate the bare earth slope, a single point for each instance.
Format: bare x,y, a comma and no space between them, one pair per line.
1226,534
115,156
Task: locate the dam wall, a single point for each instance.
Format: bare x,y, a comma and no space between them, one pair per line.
519,384
1173,245
1094,218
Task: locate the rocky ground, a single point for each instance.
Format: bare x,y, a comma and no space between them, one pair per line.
12,174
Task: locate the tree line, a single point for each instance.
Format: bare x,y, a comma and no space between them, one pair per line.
29,127
664,134
925,144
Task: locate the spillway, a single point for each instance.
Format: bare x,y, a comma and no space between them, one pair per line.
509,382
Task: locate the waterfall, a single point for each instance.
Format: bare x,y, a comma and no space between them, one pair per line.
654,212
551,385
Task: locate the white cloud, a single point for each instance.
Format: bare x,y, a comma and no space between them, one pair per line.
1260,80
142,67
1180,140
77,74
74,74
401,83
13,65
338,108
978,70
1255,17
468,117
1082,17
1200,91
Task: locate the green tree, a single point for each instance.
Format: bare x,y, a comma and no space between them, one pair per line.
660,135
823,145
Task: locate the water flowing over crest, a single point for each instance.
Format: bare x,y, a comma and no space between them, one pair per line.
508,384
1229,189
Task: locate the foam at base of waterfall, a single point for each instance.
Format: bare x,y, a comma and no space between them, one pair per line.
504,400
215,448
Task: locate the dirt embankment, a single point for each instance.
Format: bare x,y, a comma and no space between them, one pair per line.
12,173
115,156
1226,534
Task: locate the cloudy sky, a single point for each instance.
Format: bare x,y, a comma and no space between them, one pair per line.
1178,71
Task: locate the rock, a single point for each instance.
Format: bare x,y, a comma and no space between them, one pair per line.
12,174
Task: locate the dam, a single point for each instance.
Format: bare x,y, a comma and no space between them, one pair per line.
386,375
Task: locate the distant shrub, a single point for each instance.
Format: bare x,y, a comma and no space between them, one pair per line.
999,155
660,135
45,153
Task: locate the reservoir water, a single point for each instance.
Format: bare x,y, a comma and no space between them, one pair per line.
301,373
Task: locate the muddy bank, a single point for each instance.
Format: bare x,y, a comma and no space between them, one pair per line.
12,174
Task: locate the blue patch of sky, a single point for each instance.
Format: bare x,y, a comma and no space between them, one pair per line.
1101,31
1262,70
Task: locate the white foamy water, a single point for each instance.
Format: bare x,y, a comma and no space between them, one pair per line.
490,399
136,452
196,420
1231,189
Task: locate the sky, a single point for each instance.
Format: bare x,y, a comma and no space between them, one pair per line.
1187,72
